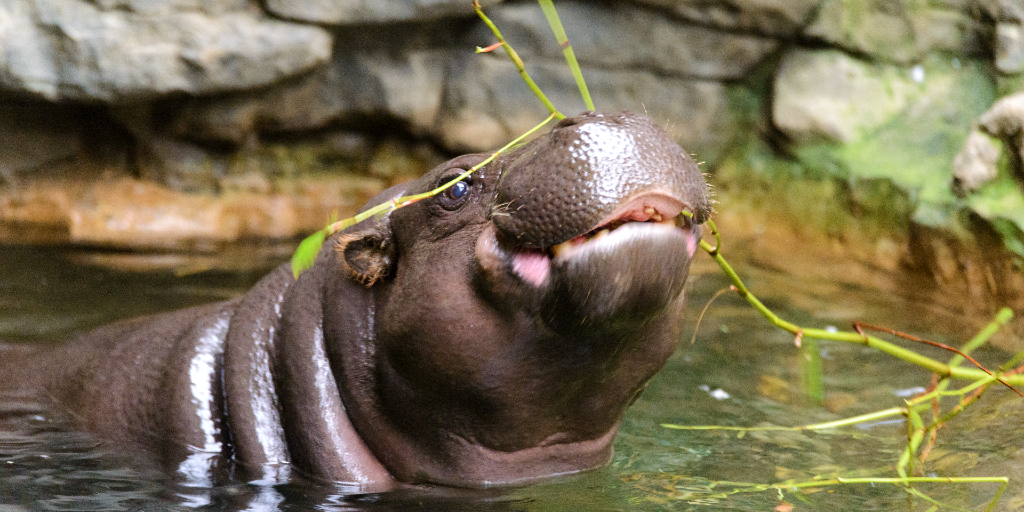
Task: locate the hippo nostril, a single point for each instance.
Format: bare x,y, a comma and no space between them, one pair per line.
575,120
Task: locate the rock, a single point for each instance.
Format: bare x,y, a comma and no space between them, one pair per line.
1010,47
128,213
604,36
74,49
901,31
26,211
1005,120
1009,33
1006,117
343,12
172,6
487,104
363,81
769,17
309,102
179,165
34,137
829,95
40,140
876,122
395,162
975,164
141,214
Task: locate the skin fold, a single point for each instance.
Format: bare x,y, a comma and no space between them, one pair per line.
491,335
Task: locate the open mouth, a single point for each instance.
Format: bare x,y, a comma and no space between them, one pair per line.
647,213
641,215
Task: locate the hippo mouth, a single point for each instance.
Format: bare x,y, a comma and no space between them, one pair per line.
656,217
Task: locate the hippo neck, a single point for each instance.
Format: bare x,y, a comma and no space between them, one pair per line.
434,456
447,458
463,463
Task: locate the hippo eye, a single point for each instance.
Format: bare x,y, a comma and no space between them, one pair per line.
458,190
454,196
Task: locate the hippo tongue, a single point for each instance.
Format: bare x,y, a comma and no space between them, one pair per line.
532,265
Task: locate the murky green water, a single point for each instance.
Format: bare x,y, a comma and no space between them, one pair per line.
740,371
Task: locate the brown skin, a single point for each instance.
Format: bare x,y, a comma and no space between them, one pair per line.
447,342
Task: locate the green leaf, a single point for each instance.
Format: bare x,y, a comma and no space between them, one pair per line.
305,255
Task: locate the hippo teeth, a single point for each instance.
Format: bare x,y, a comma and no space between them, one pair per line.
655,216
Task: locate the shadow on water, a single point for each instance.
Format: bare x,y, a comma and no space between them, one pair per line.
740,371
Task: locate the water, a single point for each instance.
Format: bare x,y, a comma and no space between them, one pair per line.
740,371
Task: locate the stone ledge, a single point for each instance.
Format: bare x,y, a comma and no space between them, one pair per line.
126,213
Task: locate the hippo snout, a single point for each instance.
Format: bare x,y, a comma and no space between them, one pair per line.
585,173
592,218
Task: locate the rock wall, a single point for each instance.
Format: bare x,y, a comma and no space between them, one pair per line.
170,123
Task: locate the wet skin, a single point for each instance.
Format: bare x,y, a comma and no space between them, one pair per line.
492,335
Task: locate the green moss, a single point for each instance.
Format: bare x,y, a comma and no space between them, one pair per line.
789,191
912,152
1012,84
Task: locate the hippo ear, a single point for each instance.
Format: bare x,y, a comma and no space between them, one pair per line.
368,254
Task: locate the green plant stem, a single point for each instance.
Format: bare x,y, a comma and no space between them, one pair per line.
919,403
937,367
570,57
811,376
1002,317
915,434
916,429
308,248
516,61
905,482
873,416
405,200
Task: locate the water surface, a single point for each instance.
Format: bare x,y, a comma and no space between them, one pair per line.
740,371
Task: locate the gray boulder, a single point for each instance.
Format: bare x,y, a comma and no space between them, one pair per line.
1009,33
154,7
115,51
1005,120
606,37
828,95
770,17
901,31
975,164
486,104
342,12
404,86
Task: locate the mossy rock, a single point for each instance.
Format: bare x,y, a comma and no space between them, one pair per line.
914,147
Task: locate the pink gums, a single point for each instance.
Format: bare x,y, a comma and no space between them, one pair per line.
640,208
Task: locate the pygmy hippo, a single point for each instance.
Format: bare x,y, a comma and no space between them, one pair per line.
493,334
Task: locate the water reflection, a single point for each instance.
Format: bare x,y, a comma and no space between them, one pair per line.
740,371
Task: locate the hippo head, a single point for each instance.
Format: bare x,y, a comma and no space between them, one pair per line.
495,334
